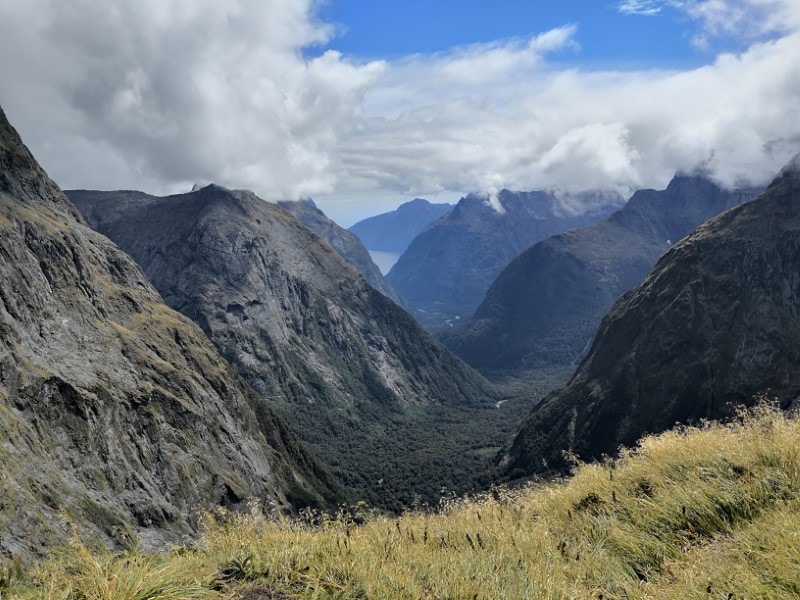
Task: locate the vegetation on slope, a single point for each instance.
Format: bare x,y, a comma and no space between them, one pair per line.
708,512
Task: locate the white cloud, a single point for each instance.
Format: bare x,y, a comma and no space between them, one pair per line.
641,7
750,18
575,130
158,94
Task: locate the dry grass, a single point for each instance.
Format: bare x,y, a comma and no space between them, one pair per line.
697,513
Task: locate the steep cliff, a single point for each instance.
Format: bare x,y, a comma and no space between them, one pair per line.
348,245
115,409
354,375
714,324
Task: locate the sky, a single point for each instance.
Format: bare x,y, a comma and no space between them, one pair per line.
363,105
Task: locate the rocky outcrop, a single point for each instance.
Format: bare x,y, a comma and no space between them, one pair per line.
343,364
345,243
447,269
116,412
393,231
544,308
714,325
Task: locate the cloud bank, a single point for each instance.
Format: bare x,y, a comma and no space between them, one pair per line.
158,94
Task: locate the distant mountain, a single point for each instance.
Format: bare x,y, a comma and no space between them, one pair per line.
715,323
345,243
116,412
354,375
447,269
545,307
393,231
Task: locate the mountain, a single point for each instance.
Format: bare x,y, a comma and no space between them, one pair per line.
354,375
447,269
393,231
345,243
713,325
118,415
546,305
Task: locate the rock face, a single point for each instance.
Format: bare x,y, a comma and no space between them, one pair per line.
342,363
545,307
114,408
393,231
345,243
447,269
715,323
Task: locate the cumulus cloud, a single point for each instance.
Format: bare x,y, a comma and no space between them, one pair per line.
159,94
575,130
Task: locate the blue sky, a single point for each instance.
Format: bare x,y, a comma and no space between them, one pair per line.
363,105
607,37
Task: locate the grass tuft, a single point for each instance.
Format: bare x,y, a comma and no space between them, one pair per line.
709,512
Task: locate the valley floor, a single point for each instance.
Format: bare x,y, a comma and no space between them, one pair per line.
695,513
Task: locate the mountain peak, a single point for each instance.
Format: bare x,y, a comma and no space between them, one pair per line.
790,173
20,174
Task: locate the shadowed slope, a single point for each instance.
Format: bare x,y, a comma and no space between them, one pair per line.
715,323
545,307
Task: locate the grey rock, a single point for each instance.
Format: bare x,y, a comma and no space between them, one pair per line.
346,367
349,247
116,411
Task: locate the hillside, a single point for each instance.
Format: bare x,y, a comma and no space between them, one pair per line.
447,269
349,247
393,231
702,513
380,401
116,412
546,305
714,324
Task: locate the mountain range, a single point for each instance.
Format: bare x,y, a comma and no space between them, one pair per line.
444,274
714,326
393,231
352,373
118,415
545,306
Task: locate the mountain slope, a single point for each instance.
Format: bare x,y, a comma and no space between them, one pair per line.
546,305
353,373
349,247
715,323
447,269
114,408
393,231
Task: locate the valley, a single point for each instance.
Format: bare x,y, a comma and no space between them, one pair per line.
422,300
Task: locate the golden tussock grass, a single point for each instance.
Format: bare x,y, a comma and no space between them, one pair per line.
707,512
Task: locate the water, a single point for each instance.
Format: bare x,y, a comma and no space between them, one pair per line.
384,260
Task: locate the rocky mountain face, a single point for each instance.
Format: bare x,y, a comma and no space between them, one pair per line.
116,412
393,231
545,307
354,375
349,247
714,324
447,269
